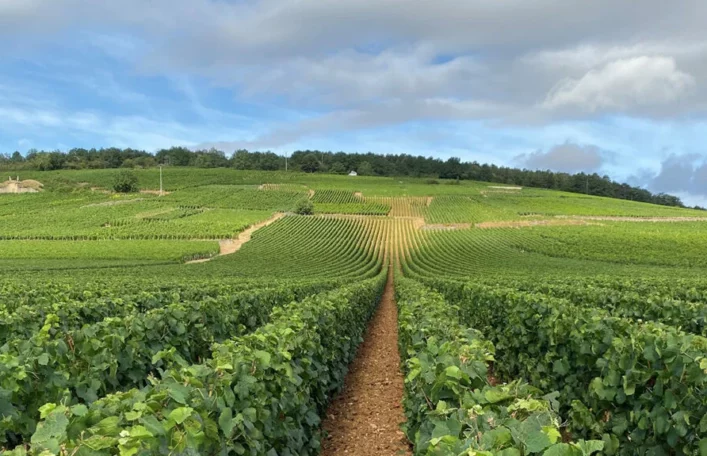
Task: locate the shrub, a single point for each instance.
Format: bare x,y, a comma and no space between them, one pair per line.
126,182
304,207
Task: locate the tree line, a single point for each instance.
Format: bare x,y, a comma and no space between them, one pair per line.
314,161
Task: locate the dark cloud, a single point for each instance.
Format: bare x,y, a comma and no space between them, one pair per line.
567,157
681,173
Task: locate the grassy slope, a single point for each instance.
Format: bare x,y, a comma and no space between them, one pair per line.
220,202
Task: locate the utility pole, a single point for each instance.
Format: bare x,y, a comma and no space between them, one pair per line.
285,162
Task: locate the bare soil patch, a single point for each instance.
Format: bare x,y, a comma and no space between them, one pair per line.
114,203
447,226
18,186
417,222
358,194
154,192
502,187
350,216
364,419
527,223
230,246
569,220
633,219
310,193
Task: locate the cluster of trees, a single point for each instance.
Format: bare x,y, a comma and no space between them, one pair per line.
112,157
314,161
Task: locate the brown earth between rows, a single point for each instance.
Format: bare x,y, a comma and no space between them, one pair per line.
446,226
364,419
154,192
527,223
632,219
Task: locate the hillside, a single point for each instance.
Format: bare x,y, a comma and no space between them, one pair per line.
579,320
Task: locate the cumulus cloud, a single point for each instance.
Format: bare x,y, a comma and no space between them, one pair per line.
567,157
342,54
623,84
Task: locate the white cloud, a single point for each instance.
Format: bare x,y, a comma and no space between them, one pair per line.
567,157
585,57
93,129
352,54
623,84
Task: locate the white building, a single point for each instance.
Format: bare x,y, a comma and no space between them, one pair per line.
353,173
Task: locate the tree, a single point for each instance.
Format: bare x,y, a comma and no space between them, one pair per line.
309,164
175,156
304,207
125,182
242,159
269,161
452,169
337,168
365,169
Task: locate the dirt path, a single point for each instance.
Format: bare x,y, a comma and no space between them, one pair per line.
229,246
446,226
527,223
364,418
633,219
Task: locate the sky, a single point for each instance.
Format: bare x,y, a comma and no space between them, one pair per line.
614,87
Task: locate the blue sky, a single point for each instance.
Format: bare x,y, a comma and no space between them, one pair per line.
602,86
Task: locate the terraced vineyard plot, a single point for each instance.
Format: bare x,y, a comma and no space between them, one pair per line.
503,253
341,202
297,246
234,197
131,218
464,209
164,251
552,203
529,204
626,243
404,207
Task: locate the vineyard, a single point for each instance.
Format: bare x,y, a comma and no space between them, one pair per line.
526,322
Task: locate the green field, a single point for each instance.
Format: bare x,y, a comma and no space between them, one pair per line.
529,321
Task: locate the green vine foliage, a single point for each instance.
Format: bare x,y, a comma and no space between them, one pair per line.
259,394
74,311
451,408
79,365
641,387
690,316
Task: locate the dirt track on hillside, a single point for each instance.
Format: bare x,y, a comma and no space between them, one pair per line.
527,223
230,246
364,419
631,219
